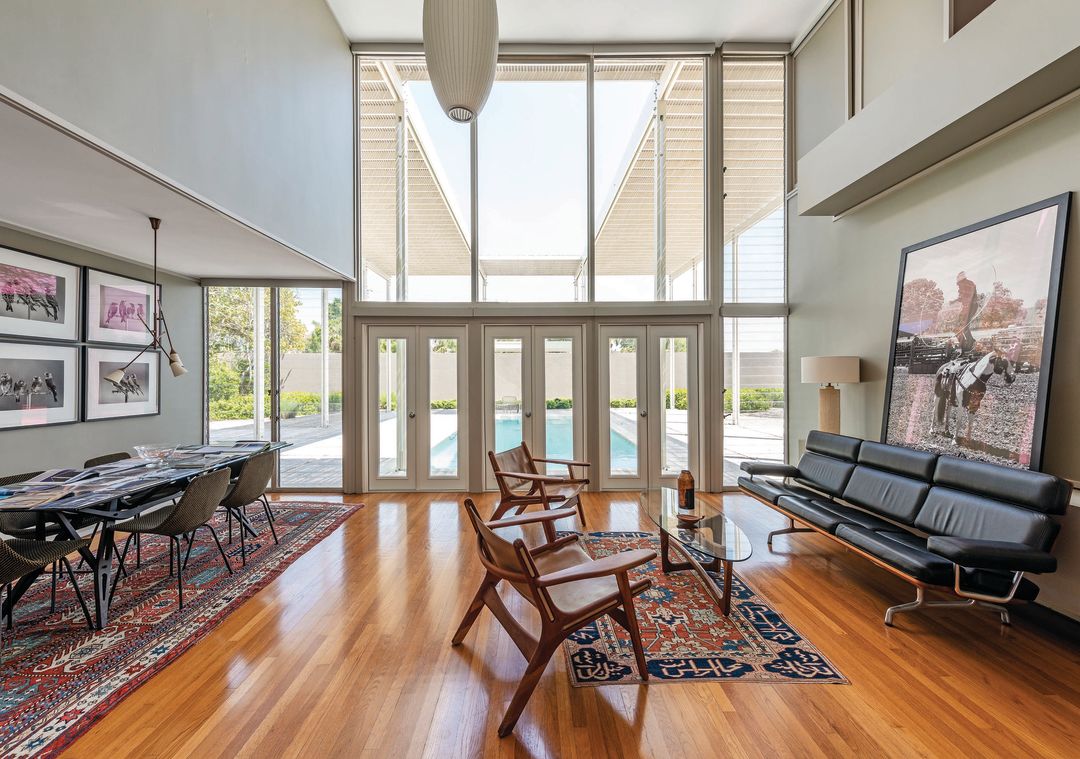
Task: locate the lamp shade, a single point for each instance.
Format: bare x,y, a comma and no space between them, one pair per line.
461,46
826,370
116,376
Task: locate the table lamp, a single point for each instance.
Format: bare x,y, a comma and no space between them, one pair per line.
829,371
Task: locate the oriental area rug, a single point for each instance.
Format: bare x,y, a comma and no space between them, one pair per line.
59,677
685,636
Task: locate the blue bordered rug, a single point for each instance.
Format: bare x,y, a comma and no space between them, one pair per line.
686,637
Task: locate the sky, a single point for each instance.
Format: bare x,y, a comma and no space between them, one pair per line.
532,159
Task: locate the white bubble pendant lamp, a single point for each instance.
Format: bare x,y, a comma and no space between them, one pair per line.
461,45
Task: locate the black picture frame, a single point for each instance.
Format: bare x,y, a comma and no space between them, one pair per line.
73,386
123,355
1063,204
138,338
75,307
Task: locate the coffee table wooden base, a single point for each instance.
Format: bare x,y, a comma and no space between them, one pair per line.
724,601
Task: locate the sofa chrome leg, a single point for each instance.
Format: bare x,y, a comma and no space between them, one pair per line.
788,530
920,602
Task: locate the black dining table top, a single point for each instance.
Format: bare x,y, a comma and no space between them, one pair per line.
77,490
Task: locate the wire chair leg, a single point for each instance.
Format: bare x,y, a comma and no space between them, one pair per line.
270,518
221,549
243,544
52,595
79,595
138,550
172,542
179,576
11,611
191,544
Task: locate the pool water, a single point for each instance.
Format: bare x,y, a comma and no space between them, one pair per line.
560,444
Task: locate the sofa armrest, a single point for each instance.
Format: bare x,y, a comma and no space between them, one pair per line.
774,468
992,554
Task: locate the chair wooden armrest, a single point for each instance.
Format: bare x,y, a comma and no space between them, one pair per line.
532,517
609,565
542,478
567,462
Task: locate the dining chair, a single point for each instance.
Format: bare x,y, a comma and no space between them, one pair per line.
250,486
521,484
563,582
191,513
108,458
25,526
19,558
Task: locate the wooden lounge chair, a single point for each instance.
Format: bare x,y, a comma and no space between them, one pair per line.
522,485
568,587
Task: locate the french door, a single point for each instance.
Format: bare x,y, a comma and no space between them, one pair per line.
533,391
418,408
649,404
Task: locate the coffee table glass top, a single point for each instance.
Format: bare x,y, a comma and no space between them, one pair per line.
715,535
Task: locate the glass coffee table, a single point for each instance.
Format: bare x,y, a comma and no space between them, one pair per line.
715,536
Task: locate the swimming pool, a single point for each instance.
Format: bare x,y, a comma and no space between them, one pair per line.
559,437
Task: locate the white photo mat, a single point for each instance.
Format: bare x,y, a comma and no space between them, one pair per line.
16,318
105,400
38,358
104,292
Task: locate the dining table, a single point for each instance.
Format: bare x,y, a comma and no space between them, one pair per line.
77,499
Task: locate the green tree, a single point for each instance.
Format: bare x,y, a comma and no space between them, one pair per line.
314,340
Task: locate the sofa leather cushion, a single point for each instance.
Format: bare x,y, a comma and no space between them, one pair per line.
824,473
904,551
771,490
1035,490
890,495
965,515
831,444
829,515
899,460
991,554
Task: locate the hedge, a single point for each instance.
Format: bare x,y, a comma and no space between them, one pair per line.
293,404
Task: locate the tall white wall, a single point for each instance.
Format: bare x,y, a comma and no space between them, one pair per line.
245,102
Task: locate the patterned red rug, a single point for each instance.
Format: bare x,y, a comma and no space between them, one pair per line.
686,637
59,677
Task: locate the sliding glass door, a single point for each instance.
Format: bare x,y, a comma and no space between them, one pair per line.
257,337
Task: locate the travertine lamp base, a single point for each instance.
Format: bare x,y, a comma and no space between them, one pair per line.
829,409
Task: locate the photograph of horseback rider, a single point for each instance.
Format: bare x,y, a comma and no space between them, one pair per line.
973,338
968,295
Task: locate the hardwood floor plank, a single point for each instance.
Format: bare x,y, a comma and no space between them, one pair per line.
347,654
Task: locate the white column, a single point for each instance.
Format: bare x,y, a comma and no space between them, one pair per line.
325,374
259,373
660,199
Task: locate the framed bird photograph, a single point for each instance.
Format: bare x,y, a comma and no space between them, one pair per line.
39,297
119,310
39,385
121,383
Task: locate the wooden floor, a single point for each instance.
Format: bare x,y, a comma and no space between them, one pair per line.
347,654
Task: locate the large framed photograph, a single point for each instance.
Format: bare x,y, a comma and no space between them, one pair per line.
118,309
39,385
973,337
39,297
118,386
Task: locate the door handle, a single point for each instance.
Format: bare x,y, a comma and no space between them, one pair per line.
528,414
644,412
412,414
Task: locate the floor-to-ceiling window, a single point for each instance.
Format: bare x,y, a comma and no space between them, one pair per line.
257,336
754,261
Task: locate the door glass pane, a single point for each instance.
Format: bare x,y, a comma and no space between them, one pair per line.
753,392
507,392
531,171
674,412
310,375
623,405
443,405
393,423
558,400
238,370
415,188
649,168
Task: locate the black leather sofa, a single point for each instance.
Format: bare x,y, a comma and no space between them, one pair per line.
940,522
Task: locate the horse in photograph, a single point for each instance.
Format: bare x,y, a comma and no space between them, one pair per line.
962,384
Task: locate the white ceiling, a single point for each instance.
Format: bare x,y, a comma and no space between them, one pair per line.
56,185
595,21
